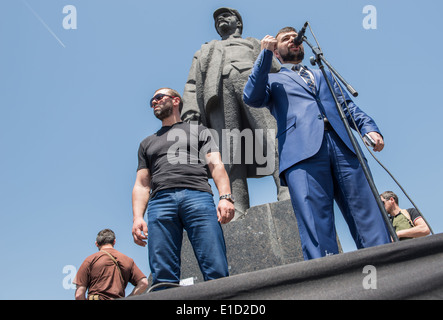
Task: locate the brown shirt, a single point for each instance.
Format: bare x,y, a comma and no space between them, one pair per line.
101,276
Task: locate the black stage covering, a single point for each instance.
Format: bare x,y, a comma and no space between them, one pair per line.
411,269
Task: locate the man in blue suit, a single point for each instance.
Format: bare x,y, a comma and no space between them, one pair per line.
317,160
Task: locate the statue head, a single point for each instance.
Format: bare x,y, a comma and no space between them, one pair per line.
227,22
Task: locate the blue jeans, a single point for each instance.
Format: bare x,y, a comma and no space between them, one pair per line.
169,212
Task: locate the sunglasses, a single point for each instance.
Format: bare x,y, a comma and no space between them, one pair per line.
158,97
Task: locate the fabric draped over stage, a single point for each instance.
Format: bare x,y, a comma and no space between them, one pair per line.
411,269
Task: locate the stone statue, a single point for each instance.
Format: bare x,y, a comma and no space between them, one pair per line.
213,96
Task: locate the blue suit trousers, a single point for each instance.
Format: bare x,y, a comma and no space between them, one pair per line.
334,173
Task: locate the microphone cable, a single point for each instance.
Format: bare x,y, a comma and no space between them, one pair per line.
377,160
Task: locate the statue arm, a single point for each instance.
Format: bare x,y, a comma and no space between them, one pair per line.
191,110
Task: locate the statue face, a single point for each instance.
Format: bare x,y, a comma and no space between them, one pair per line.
226,23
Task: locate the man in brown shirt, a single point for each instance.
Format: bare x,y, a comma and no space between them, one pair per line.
105,274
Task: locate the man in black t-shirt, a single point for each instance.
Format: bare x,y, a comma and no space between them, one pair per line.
172,184
408,223
175,157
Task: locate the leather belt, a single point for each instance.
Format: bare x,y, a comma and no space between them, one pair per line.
328,126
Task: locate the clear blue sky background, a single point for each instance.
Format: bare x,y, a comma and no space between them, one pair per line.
73,110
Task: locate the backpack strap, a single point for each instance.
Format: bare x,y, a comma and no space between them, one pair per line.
408,216
116,263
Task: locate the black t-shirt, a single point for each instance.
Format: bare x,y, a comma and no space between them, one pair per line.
414,214
175,157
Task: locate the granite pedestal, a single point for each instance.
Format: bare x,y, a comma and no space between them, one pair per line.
265,237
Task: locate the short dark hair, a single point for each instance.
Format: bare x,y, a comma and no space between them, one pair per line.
174,93
106,236
388,195
284,30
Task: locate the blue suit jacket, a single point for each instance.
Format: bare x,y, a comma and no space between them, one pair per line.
298,111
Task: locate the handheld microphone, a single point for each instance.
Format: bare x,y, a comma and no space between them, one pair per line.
299,39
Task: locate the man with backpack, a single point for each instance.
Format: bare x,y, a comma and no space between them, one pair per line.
106,273
407,223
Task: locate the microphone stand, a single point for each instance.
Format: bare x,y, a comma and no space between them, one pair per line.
319,60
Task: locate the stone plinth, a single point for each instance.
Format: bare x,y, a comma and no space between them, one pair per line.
266,236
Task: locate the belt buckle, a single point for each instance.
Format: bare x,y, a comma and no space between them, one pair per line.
327,124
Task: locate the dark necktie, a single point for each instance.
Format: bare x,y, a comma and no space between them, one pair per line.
305,75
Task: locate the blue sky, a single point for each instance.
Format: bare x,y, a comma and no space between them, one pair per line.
73,110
